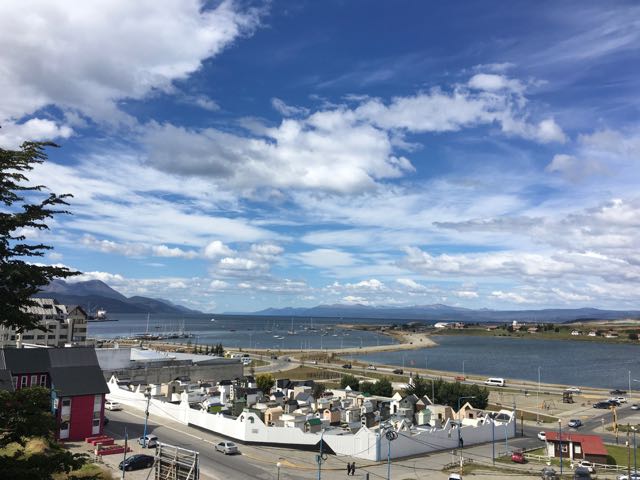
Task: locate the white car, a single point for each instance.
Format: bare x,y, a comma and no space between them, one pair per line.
624,476
584,464
371,367
572,390
150,441
635,406
227,448
619,399
542,436
111,405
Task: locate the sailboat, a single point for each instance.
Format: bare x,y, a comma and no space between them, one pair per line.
292,331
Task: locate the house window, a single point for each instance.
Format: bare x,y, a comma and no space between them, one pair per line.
565,448
578,449
43,380
66,402
34,380
97,403
15,383
96,422
23,381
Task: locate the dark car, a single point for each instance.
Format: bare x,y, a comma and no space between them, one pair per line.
575,423
581,473
601,405
346,365
549,473
618,392
614,402
136,462
398,371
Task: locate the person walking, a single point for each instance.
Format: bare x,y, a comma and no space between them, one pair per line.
353,469
348,469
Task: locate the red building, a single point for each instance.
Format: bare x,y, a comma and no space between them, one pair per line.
74,377
576,446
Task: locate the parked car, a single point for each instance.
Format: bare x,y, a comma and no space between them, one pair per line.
346,365
151,441
542,436
111,405
614,402
635,406
518,457
398,371
136,462
575,423
624,476
227,448
454,476
618,399
585,464
601,405
618,392
548,473
581,473
371,367
572,390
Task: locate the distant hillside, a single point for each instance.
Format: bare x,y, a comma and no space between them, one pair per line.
95,294
440,312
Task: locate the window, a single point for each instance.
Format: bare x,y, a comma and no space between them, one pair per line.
43,380
34,380
23,381
97,403
565,448
578,449
66,402
64,426
96,415
15,383
96,422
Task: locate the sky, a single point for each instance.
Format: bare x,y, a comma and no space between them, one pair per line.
237,155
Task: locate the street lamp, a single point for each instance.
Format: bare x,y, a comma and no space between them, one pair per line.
147,395
635,464
462,368
560,439
538,398
460,441
390,434
278,465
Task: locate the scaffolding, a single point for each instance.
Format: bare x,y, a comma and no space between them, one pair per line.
176,463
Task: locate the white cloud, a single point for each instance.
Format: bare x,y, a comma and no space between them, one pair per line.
492,83
412,285
287,110
217,249
327,258
135,249
36,129
218,285
466,294
372,285
98,53
509,297
353,300
106,277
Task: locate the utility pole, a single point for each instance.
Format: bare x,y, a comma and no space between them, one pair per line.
147,394
628,453
124,455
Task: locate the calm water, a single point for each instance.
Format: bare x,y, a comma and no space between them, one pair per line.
561,362
245,331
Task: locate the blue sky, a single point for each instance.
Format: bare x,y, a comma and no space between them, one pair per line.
232,156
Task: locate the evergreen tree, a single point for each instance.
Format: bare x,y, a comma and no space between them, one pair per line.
351,381
265,382
20,278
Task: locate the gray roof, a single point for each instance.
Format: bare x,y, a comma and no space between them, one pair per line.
6,382
82,380
24,360
72,357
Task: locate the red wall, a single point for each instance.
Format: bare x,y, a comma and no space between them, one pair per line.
81,422
20,375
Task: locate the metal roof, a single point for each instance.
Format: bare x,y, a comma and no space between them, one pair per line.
25,360
82,380
72,357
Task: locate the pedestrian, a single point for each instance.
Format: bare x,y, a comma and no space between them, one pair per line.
353,468
348,469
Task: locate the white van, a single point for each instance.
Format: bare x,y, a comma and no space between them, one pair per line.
494,382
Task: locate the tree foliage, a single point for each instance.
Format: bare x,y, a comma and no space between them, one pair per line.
382,387
351,381
25,413
448,393
265,382
23,209
420,387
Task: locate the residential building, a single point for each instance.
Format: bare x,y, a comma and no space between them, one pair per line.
74,377
60,325
576,447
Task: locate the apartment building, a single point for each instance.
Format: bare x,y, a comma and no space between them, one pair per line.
61,325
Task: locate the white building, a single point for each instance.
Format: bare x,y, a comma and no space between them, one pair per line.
61,325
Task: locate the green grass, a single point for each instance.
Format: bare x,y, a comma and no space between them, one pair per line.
618,454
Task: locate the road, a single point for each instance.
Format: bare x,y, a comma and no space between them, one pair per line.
213,465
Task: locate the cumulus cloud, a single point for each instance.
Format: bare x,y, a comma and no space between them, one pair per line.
135,249
344,149
411,284
509,296
106,277
97,54
287,110
353,300
217,249
36,129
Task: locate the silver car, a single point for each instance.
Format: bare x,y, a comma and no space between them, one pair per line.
228,448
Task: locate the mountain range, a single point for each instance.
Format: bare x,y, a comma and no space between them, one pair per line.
439,312
95,294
